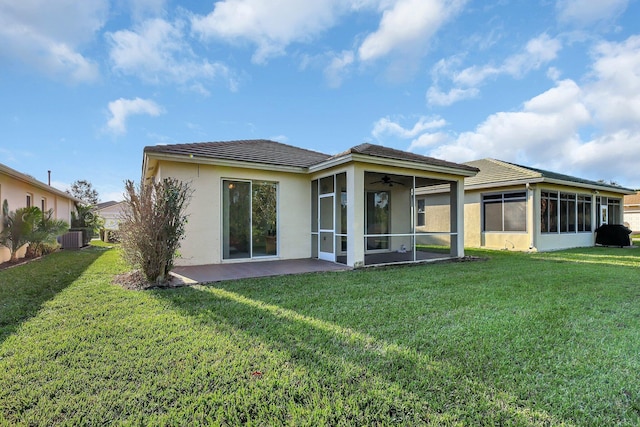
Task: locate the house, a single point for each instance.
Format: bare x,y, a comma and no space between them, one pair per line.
508,206
632,211
110,211
257,200
21,190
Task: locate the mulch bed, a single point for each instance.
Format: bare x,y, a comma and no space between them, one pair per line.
21,261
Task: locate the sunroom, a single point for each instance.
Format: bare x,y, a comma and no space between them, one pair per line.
365,210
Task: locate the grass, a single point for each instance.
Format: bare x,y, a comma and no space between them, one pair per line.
518,339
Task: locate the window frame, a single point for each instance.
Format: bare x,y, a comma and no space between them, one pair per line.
565,212
249,240
504,198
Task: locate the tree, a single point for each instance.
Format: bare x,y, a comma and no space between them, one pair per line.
84,191
152,225
17,227
85,220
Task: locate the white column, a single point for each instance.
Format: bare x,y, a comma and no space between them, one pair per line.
355,217
457,218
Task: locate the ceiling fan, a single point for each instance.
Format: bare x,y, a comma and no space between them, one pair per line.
386,180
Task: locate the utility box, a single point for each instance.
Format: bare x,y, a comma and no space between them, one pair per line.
71,240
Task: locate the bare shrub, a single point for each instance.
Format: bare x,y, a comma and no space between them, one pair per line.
153,225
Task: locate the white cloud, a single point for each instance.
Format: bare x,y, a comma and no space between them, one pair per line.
49,34
428,140
386,126
270,26
407,25
538,51
591,130
541,131
585,12
122,108
141,9
437,97
338,67
157,52
614,93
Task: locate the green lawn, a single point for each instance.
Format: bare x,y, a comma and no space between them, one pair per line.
517,339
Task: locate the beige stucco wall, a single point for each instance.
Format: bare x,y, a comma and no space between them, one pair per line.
632,218
15,192
111,216
203,239
476,238
437,219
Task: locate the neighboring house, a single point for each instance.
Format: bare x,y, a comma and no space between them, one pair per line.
258,200
21,190
513,207
110,212
632,211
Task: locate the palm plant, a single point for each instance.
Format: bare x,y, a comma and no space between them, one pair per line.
17,227
45,231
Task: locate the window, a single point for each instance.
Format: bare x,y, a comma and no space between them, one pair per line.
584,213
505,211
29,201
249,219
43,204
565,212
614,210
421,213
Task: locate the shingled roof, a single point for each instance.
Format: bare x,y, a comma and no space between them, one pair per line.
391,153
254,151
494,171
263,151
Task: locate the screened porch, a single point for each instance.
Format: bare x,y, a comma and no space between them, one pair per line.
390,224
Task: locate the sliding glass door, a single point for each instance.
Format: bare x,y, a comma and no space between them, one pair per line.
249,219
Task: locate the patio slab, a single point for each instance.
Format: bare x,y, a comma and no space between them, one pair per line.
245,270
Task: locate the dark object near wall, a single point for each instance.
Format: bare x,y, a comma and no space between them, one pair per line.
613,235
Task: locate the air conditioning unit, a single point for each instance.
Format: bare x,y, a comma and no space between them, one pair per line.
71,240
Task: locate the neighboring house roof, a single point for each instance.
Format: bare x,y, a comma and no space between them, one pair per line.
497,172
632,199
105,205
272,153
27,179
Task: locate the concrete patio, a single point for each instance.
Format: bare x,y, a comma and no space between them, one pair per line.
244,270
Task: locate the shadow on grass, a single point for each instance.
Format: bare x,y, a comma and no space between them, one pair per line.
24,289
382,382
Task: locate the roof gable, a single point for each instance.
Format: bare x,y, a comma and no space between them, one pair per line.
252,151
393,154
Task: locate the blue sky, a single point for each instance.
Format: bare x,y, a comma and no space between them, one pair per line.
86,85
